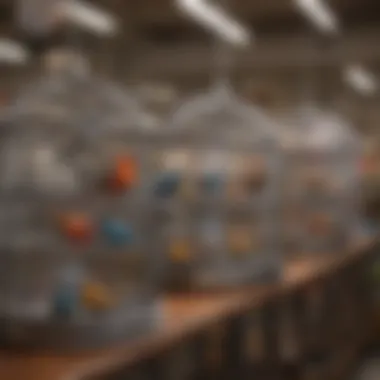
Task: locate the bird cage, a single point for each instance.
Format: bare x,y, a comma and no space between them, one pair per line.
322,184
217,171
74,270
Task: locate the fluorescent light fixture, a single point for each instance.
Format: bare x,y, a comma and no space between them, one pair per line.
360,79
89,17
12,53
213,18
319,14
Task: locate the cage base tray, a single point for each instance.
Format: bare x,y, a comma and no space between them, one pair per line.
71,336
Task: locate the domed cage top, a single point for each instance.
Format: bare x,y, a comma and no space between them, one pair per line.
322,186
213,182
75,268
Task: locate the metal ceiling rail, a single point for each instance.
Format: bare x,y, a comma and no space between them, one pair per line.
213,18
272,53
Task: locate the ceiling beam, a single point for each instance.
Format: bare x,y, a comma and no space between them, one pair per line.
274,53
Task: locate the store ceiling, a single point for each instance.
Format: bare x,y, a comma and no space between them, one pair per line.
160,20
168,47
160,45
159,24
167,42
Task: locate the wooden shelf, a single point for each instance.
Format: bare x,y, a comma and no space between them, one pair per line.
183,316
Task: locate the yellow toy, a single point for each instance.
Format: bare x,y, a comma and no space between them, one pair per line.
96,297
180,251
239,241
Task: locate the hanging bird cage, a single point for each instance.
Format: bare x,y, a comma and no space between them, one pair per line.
322,184
75,271
217,173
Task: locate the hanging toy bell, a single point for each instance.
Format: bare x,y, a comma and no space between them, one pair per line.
65,301
255,176
167,185
77,227
117,233
123,175
321,224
